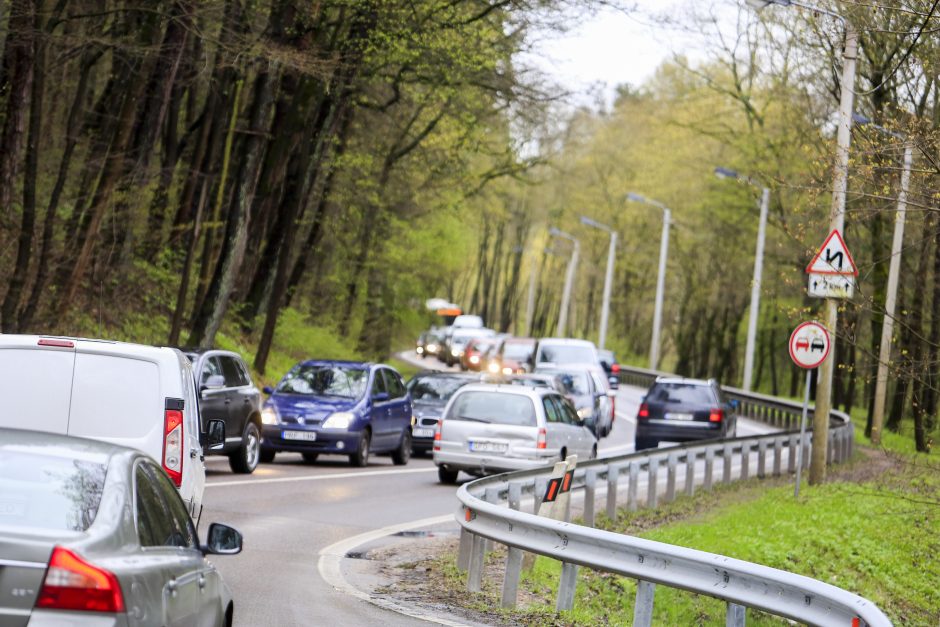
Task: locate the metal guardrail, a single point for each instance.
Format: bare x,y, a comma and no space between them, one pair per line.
483,516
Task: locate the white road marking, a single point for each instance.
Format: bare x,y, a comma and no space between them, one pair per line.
330,567
627,417
338,475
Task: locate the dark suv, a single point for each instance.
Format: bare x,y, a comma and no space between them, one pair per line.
682,410
227,393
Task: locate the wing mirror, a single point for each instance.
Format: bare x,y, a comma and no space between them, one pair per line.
222,540
268,390
614,382
735,403
214,382
215,435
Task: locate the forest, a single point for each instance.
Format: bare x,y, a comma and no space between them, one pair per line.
173,171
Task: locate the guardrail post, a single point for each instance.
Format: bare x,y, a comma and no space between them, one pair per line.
491,495
475,571
745,460
613,477
671,464
540,487
643,608
590,484
709,467
690,459
652,483
791,458
634,483
778,456
762,458
513,557
567,584
726,464
735,615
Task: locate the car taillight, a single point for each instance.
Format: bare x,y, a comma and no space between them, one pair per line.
71,583
437,435
540,443
716,415
615,369
173,445
644,411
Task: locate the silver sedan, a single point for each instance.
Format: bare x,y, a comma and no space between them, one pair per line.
96,534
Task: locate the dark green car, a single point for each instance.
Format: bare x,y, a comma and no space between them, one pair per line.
94,533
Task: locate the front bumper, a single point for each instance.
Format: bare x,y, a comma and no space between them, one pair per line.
338,441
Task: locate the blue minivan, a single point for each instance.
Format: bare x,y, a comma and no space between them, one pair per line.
339,408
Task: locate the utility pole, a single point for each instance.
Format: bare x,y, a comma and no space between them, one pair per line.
608,277
660,277
569,279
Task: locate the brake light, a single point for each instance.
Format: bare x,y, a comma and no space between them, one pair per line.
644,411
437,435
540,443
71,583
615,369
173,445
57,343
716,415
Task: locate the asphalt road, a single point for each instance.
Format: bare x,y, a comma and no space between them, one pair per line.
288,511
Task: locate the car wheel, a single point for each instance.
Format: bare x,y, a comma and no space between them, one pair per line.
645,443
447,476
246,458
310,457
402,454
361,457
266,455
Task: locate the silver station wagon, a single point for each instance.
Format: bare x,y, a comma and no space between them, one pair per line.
96,534
487,429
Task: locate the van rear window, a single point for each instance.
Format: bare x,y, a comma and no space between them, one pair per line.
494,408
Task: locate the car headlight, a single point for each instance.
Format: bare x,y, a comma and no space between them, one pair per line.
338,420
493,367
474,359
269,416
455,352
585,412
507,370
432,348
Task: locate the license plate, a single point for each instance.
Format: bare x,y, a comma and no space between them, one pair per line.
488,447
309,436
422,433
678,416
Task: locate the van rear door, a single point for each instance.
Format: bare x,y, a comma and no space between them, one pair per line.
35,383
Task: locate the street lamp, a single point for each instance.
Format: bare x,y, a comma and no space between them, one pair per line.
569,278
660,278
758,271
817,470
608,276
894,268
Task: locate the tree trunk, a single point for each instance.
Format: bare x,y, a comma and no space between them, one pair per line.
18,73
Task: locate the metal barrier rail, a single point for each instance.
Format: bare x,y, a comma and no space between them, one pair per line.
740,584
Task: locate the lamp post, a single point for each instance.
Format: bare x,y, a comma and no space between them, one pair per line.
894,268
608,277
569,278
758,272
817,469
661,276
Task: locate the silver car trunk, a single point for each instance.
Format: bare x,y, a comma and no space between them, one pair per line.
486,423
23,560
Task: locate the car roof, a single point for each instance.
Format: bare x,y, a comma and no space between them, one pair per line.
359,365
567,340
685,381
506,388
443,374
565,367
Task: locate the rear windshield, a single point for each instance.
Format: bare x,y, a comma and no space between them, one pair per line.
325,380
45,492
681,393
495,408
435,388
567,354
575,383
517,350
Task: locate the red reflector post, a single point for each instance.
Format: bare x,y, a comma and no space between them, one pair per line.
71,583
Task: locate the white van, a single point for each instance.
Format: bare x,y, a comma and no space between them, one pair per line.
134,395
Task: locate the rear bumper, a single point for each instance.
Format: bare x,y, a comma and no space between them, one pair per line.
337,441
491,464
56,618
676,431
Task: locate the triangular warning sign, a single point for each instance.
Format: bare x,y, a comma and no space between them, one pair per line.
833,258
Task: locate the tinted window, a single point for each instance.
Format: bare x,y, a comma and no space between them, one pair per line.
378,384
46,492
431,388
234,377
574,382
681,393
324,380
161,516
494,407
567,354
210,367
394,385
552,413
568,411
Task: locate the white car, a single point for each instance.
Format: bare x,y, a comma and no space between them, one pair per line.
487,429
142,397
555,350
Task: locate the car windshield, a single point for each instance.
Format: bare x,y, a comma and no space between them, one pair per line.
567,354
532,382
681,394
46,492
517,351
435,388
576,383
325,380
493,407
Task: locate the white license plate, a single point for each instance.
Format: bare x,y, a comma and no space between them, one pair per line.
488,447
422,433
309,436
678,416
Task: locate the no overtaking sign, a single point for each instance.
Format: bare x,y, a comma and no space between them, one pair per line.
809,345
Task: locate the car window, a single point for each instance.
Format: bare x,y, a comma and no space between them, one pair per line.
600,383
552,413
162,519
324,380
378,383
574,382
566,354
435,388
570,413
396,389
517,351
493,407
681,393
234,377
246,374
210,367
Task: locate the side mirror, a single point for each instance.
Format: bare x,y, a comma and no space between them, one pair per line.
268,390
380,397
214,382
614,382
215,435
735,403
222,540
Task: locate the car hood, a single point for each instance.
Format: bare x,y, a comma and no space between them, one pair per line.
290,407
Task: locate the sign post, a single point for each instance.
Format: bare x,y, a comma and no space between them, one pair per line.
809,346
